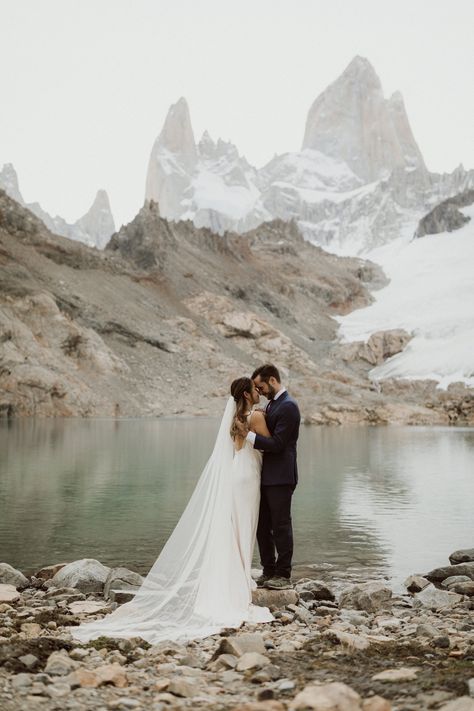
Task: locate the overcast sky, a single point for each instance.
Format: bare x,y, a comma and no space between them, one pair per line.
86,84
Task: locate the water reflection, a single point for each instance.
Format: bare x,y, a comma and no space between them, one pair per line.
377,501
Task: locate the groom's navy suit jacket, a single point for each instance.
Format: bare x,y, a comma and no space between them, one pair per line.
279,451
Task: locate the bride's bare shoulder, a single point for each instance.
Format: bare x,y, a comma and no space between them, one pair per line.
257,417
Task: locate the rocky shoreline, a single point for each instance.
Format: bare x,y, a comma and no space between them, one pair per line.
364,649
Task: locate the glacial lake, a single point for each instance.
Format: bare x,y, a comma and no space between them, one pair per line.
378,502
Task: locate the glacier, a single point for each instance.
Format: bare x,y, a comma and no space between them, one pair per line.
430,295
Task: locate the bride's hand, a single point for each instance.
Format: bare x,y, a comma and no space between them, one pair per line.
243,428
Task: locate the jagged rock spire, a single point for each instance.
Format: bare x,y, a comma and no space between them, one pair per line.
352,121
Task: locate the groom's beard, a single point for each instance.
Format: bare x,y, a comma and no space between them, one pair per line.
271,392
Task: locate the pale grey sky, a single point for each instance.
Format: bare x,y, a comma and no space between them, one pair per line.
86,84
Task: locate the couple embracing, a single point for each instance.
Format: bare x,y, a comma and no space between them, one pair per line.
201,582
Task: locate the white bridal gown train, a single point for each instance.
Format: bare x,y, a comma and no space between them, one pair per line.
201,581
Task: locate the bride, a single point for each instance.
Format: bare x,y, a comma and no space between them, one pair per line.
201,581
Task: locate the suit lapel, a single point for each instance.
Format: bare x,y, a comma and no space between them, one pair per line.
275,404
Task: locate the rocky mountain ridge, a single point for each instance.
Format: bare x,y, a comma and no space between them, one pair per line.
94,228
167,315
359,180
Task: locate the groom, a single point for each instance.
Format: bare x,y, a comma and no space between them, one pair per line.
279,478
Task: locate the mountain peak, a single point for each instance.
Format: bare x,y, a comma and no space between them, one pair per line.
177,133
352,121
9,182
98,222
360,68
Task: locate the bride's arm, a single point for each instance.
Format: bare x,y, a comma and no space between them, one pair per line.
258,424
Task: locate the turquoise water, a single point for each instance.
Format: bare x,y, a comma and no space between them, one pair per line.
377,502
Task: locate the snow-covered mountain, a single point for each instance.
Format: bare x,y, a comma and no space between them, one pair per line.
94,228
359,180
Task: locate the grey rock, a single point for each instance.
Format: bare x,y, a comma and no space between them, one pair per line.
29,660
427,630
87,575
241,644
60,664
319,589
463,703
251,660
453,579
122,579
301,613
435,599
439,574
12,576
184,687
464,588
58,689
274,599
121,596
370,597
335,695
442,642
416,583
465,555
21,681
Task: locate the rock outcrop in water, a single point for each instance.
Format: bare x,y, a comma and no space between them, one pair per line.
167,315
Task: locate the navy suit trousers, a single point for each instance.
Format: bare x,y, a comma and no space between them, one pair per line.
275,530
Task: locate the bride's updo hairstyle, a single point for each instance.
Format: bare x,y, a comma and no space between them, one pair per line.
237,390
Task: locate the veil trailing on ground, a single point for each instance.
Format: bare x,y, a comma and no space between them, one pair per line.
197,585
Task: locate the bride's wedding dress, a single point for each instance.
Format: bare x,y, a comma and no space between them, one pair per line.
201,581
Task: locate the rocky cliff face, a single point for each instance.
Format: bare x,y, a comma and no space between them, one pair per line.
353,122
93,229
167,315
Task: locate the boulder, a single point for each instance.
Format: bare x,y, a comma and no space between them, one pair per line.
240,644
274,599
435,599
60,664
105,674
370,597
12,576
439,574
49,571
122,579
8,593
186,688
335,696
86,575
396,675
464,588
416,583
122,596
453,580
319,590
251,660
465,555
87,607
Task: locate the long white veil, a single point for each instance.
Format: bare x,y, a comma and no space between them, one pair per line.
197,585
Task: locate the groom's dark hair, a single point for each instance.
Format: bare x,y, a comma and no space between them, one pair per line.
266,372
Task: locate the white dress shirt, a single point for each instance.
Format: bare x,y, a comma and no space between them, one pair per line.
251,435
